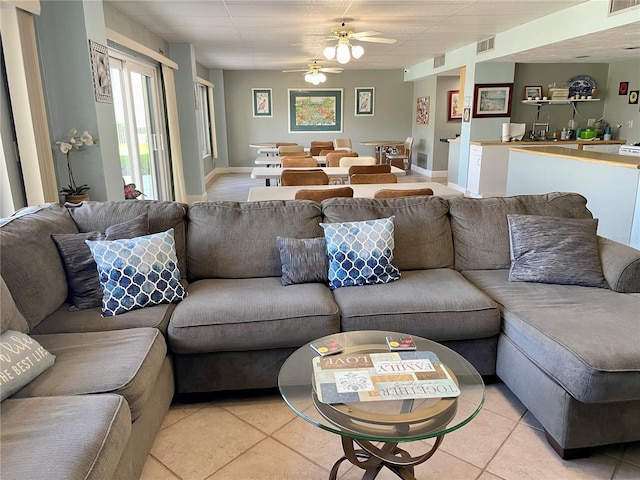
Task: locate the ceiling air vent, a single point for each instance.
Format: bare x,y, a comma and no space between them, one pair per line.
486,45
619,5
438,61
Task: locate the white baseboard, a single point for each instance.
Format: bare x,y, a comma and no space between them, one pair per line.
429,173
457,187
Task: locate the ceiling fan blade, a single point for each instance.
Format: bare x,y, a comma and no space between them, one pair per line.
377,40
370,33
331,70
295,71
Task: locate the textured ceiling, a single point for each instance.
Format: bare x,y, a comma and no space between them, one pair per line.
287,34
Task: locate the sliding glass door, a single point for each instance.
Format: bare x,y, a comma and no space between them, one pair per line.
141,132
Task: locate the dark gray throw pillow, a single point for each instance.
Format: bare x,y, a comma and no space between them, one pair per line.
303,260
81,269
555,250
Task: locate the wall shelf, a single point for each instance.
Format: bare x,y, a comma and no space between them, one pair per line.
559,102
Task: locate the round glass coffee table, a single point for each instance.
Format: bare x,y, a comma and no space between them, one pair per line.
353,402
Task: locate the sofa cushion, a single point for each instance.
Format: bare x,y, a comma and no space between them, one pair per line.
21,360
81,270
555,250
621,266
360,253
221,315
303,260
584,338
137,272
245,245
10,317
80,436
125,362
480,229
163,215
438,304
31,266
421,227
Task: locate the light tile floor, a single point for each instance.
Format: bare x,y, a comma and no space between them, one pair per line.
255,436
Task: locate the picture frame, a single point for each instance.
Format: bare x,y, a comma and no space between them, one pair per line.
533,92
365,101
315,110
101,72
262,102
492,100
466,115
454,112
422,110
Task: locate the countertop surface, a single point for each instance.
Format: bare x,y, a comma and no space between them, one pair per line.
549,142
582,155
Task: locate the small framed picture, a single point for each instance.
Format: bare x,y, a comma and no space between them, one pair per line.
262,102
532,92
101,73
365,100
455,112
492,100
422,110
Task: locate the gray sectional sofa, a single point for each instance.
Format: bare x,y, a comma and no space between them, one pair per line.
570,353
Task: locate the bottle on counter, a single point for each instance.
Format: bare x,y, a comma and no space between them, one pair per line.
607,133
571,129
564,134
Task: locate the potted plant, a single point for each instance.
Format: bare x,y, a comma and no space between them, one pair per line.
131,192
74,193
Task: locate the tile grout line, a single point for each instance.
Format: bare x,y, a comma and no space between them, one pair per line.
503,444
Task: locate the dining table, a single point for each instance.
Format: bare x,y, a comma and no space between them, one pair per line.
381,146
269,148
269,173
270,161
360,190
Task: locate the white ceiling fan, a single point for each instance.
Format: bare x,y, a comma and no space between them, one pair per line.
343,51
315,73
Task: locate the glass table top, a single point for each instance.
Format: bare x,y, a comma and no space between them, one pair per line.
386,420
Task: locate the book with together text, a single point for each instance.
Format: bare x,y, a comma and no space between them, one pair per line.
368,377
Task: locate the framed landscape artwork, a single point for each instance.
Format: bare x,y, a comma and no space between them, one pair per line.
533,92
454,110
262,102
364,101
422,111
315,110
492,100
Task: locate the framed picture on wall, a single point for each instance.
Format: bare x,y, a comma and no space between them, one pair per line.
262,102
533,92
315,110
101,73
422,110
365,100
454,110
492,100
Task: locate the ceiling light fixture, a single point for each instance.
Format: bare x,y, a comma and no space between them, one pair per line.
343,51
315,77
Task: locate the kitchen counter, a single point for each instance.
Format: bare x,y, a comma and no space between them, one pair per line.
528,143
582,155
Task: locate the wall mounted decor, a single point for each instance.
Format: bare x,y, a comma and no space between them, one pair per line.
533,92
466,115
101,73
262,102
454,112
422,111
623,88
315,110
365,100
492,100
633,97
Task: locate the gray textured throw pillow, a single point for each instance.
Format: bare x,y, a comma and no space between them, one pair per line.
81,269
555,250
303,260
22,359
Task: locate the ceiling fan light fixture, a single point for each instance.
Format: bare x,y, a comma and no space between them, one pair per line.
342,53
357,51
330,53
322,77
308,78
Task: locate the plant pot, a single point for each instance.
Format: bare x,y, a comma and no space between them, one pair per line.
76,198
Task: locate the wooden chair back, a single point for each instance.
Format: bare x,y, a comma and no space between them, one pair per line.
355,169
289,162
349,161
414,192
373,178
333,159
324,153
287,149
316,146
343,143
303,177
322,194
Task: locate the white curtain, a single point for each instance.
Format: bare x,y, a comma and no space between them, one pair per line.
179,189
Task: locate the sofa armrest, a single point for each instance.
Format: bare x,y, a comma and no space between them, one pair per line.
621,265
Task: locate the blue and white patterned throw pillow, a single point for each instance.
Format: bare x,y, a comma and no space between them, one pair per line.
137,272
360,253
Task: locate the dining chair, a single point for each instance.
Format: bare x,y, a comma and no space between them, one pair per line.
403,159
356,169
373,178
316,146
322,194
292,178
289,162
285,144
333,159
324,153
391,193
288,149
343,143
349,161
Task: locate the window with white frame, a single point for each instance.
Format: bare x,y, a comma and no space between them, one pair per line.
204,119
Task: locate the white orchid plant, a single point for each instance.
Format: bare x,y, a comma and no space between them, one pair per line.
75,142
